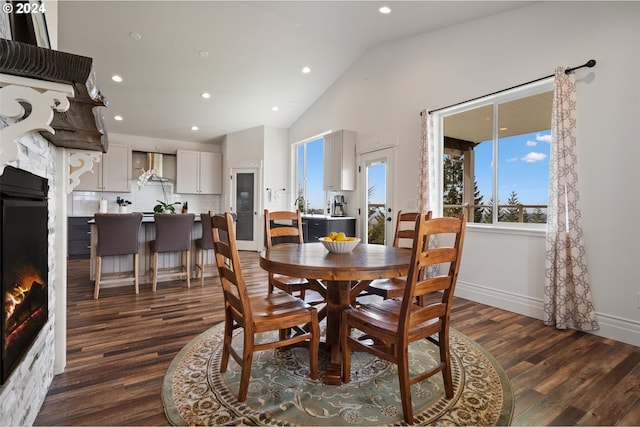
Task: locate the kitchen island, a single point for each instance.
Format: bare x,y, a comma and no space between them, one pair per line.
116,265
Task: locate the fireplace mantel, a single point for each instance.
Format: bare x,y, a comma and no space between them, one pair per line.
79,126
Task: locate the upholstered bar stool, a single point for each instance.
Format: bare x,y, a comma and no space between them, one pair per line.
173,234
203,245
117,235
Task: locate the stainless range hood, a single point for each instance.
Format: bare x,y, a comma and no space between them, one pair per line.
154,161
164,165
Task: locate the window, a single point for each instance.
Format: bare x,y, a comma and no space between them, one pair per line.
496,156
308,175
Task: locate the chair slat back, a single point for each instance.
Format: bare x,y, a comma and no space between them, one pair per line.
446,258
282,233
232,279
405,229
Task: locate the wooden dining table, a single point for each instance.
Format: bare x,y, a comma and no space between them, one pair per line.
339,277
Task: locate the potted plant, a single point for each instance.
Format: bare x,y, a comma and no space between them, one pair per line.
163,207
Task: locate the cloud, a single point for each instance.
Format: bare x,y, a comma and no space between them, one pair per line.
543,138
532,143
512,159
533,157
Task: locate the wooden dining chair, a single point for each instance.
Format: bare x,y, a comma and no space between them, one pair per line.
276,311
403,238
391,325
282,228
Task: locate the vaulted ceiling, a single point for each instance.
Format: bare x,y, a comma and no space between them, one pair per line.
248,56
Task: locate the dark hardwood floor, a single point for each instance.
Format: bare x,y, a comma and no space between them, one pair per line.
120,346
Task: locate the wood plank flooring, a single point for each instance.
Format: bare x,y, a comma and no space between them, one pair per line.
120,346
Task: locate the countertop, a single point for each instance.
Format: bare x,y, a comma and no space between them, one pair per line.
328,217
146,218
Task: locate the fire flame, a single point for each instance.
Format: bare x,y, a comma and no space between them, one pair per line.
13,297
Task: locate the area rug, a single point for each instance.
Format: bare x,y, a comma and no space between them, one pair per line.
281,393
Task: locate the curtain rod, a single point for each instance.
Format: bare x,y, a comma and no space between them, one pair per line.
589,64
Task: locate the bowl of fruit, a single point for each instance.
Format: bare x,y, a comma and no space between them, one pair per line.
339,243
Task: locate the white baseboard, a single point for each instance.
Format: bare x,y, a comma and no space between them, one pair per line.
611,327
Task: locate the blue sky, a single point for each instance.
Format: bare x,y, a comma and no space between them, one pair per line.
523,167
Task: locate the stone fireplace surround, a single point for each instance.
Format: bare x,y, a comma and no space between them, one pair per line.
25,390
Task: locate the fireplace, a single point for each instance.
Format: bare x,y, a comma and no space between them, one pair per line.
23,263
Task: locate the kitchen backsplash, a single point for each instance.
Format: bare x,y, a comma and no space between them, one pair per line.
86,203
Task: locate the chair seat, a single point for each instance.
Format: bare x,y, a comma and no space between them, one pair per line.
290,281
387,288
384,316
278,310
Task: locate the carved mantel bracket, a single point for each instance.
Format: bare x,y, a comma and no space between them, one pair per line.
43,98
79,163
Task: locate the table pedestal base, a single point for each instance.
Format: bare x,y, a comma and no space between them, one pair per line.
333,374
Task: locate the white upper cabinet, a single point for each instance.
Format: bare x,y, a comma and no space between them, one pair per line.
198,172
340,161
111,173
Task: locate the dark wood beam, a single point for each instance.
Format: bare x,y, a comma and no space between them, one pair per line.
81,126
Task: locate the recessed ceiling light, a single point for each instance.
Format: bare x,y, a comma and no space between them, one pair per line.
502,129
135,36
118,118
274,108
205,95
385,10
116,78
194,128
306,70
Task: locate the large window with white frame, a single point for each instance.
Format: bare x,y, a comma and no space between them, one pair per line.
495,156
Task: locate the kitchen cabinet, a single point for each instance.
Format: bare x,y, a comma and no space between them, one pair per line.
111,173
79,237
315,227
339,167
198,172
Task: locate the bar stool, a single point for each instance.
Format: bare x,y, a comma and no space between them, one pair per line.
173,234
117,235
204,244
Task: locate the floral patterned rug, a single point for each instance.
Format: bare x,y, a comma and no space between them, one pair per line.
281,393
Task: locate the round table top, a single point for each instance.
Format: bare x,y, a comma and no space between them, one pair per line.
313,261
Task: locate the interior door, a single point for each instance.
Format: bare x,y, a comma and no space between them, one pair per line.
377,174
245,204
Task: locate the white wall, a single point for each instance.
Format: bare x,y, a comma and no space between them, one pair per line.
277,170
383,92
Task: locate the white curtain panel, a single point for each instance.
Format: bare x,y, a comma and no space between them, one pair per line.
567,294
427,165
427,176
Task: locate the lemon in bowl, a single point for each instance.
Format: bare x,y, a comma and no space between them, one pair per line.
339,242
